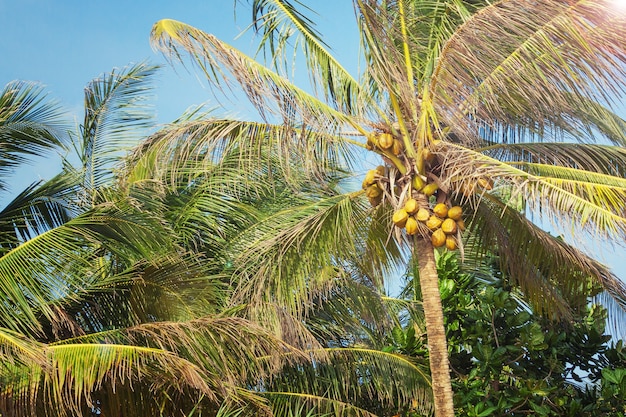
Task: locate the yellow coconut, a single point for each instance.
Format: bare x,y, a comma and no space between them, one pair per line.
370,178
380,170
400,217
411,206
455,213
373,191
397,147
449,226
422,215
411,226
438,238
451,242
441,210
430,189
433,222
428,156
385,140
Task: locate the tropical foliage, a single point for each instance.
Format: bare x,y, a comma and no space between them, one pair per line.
508,361
488,106
124,293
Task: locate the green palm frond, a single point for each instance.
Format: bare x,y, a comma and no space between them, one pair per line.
29,125
519,64
17,349
116,116
270,93
608,160
353,375
593,200
38,272
231,350
286,255
549,271
294,403
220,145
80,369
39,207
277,21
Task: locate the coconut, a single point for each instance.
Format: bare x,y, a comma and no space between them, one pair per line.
370,178
422,215
433,222
385,140
460,224
373,191
449,226
411,226
397,147
371,141
411,206
438,238
451,242
400,217
455,213
485,183
441,210
430,189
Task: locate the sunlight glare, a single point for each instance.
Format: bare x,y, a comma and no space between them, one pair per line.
619,5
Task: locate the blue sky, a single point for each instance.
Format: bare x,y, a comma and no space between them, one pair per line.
63,44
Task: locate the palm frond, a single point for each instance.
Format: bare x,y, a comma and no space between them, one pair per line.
80,369
38,272
266,90
531,66
550,272
116,117
356,375
36,209
277,21
591,201
221,147
29,126
285,256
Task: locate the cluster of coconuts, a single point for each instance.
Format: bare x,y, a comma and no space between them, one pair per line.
386,142
373,192
443,222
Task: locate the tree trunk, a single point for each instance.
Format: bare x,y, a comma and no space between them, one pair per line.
433,313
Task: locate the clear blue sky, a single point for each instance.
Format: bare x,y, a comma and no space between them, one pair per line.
65,43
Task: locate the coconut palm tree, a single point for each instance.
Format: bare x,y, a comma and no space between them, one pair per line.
488,106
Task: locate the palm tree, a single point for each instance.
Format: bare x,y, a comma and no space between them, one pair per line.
482,105
118,290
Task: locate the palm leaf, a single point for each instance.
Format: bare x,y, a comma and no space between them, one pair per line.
38,272
549,272
354,374
266,90
531,66
36,209
115,118
29,125
221,147
289,261
277,21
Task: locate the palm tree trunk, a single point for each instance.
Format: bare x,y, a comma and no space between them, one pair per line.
433,313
